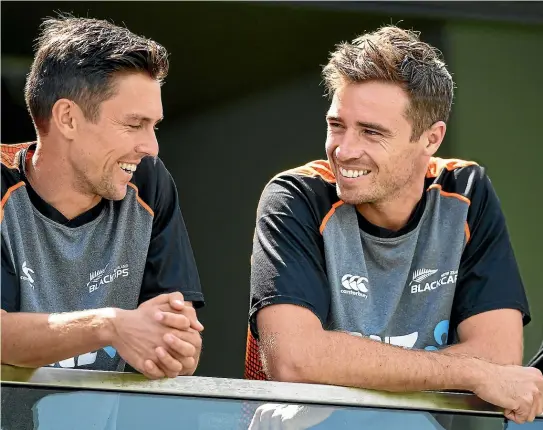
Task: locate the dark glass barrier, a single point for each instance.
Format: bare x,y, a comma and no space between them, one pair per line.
59,399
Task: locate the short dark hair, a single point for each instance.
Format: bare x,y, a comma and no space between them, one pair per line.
396,55
77,58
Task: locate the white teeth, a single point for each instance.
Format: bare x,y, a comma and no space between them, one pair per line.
353,173
128,167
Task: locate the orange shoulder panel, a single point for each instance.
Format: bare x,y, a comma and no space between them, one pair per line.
9,152
436,165
314,168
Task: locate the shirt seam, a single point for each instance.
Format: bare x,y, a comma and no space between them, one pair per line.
267,301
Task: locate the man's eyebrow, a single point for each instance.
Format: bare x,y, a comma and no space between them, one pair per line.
374,126
364,124
138,117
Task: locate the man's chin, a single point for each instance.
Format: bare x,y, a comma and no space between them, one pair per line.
116,194
354,198
121,193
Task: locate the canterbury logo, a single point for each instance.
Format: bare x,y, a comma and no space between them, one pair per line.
421,274
356,283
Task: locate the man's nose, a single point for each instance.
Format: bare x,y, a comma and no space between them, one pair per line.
150,146
350,147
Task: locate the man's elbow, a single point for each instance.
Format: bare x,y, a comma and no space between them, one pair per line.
9,359
285,372
286,368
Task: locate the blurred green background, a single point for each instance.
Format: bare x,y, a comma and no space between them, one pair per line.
244,101
497,122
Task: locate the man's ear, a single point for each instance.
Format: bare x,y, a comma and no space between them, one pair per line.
64,116
434,136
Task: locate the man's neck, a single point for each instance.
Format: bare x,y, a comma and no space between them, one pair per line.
396,212
53,180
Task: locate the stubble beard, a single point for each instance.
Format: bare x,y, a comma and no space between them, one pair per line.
105,188
354,197
375,193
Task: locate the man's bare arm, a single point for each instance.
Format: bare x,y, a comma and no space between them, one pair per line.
296,348
494,336
35,340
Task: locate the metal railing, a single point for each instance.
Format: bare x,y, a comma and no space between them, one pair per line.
221,388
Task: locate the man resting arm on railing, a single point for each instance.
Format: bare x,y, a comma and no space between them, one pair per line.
384,267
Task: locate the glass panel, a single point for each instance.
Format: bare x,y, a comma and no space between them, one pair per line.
26,408
536,425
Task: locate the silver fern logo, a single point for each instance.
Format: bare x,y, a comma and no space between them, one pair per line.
96,275
97,278
421,274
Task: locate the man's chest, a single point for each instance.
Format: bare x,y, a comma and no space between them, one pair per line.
63,269
400,290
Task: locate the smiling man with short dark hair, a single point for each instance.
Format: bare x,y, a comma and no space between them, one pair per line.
97,267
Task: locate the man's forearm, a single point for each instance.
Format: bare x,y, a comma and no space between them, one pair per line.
342,359
34,340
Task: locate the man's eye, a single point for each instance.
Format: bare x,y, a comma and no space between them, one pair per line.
135,126
372,132
335,125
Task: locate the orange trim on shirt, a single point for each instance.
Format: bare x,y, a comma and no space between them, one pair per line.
466,230
140,201
456,196
6,197
329,214
446,194
436,165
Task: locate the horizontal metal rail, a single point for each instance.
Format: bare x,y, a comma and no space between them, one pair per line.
239,389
